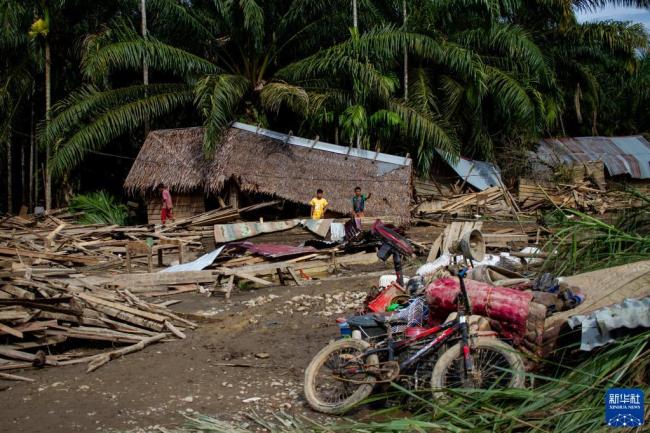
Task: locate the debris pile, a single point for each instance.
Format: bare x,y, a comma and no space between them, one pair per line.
44,313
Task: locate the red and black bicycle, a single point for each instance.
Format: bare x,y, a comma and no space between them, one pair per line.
346,371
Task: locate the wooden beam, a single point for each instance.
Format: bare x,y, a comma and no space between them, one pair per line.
251,278
4,329
15,252
163,278
94,300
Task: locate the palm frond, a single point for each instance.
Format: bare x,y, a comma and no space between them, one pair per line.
99,208
179,13
114,123
127,50
511,42
216,97
88,102
275,95
431,133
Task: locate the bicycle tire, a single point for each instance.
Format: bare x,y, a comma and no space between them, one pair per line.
362,391
502,352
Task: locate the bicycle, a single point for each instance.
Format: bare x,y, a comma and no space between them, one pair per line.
345,372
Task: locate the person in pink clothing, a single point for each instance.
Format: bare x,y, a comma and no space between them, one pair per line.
167,206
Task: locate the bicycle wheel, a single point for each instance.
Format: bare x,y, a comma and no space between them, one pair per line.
328,387
496,366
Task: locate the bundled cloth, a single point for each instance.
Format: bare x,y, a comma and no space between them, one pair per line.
512,313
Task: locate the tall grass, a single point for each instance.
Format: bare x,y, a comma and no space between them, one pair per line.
99,208
583,242
569,398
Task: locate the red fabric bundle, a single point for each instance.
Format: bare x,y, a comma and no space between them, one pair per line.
508,308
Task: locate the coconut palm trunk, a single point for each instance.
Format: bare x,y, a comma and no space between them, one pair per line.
145,66
10,198
355,22
406,56
48,107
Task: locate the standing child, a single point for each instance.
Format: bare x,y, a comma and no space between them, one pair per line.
166,209
359,202
318,205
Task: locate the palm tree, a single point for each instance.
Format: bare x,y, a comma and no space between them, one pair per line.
15,79
240,62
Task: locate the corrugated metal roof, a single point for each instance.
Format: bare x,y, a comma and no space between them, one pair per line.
480,174
621,155
597,327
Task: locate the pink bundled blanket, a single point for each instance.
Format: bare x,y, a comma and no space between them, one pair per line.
507,308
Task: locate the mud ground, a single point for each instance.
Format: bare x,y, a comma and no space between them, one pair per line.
275,331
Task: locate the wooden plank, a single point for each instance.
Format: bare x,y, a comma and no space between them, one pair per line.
94,300
163,278
7,376
18,292
435,248
23,356
251,278
16,252
4,329
294,276
176,291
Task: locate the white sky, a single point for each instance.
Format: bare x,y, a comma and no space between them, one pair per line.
618,14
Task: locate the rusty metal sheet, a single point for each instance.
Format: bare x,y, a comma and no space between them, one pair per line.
621,155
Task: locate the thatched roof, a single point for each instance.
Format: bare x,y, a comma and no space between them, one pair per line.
262,161
170,156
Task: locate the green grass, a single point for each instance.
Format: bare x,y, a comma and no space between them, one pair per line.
583,242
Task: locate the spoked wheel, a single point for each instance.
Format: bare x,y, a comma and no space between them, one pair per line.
496,366
336,379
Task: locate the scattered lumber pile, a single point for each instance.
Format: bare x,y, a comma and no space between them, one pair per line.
55,244
38,315
492,201
582,195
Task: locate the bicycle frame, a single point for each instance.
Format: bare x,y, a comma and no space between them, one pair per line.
446,330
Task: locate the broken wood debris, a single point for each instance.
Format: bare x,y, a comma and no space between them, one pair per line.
44,313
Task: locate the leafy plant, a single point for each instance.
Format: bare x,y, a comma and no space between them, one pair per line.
583,242
99,208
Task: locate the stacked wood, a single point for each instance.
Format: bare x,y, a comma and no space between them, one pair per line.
492,201
37,315
582,195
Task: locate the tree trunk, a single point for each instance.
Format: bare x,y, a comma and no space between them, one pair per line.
23,178
10,198
145,66
406,56
31,152
355,22
48,106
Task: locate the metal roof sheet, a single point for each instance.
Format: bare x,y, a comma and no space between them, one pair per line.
328,147
480,174
597,326
621,155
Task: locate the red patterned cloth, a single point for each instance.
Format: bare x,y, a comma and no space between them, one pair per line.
507,307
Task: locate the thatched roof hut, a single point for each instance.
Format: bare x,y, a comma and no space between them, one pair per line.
268,162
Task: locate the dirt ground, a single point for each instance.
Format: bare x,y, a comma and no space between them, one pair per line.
275,330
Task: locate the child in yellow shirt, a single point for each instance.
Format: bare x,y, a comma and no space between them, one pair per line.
318,205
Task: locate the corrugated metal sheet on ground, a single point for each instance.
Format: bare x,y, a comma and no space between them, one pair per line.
621,155
597,326
479,174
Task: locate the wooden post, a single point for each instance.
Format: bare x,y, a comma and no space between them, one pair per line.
234,194
128,259
280,276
